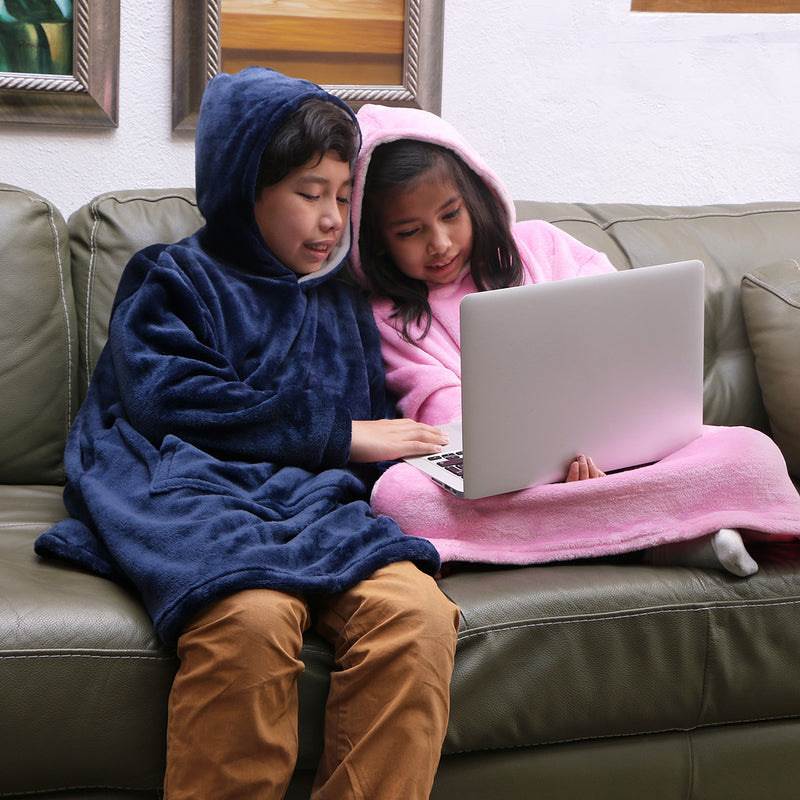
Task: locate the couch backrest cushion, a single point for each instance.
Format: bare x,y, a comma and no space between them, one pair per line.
730,240
38,344
104,234
771,305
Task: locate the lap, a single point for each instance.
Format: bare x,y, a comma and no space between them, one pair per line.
399,592
398,595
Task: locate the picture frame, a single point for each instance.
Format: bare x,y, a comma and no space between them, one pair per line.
719,6
197,57
87,97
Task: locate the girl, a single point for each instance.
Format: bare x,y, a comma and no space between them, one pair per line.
432,224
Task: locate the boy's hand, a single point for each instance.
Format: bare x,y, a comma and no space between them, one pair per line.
388,439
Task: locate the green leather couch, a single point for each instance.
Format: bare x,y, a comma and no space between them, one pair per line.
572,681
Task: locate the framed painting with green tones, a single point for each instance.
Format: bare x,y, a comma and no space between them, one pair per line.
59,62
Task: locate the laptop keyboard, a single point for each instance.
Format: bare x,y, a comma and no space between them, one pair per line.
452,462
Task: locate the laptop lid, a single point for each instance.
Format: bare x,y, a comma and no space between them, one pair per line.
606,365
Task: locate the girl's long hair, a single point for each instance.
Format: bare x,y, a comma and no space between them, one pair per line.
397,167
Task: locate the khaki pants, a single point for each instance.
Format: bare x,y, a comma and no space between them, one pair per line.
233,707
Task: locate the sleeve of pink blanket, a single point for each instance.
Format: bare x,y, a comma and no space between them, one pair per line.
425,377
550,254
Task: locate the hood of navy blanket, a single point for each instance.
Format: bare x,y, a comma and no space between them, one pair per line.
211,454
383,124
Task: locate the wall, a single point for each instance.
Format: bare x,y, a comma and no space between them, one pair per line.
584,100
579,100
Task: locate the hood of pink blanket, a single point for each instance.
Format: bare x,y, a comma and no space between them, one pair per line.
382,124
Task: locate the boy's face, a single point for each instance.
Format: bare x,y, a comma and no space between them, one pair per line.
302,217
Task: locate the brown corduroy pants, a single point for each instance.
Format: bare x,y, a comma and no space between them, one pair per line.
233,707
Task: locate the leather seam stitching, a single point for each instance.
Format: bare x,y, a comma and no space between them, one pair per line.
631,615
653,732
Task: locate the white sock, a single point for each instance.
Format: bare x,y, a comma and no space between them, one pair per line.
723,549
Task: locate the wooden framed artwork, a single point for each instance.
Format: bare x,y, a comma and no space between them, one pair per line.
59,62
719,6
378,51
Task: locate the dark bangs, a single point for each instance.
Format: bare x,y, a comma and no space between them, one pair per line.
317,127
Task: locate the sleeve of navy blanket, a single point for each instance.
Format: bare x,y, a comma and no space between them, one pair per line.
174,379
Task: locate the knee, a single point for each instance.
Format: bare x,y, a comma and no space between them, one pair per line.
420,641
248,622
421,615
440,615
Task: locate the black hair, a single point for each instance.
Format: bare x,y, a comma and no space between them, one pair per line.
317,127
397,167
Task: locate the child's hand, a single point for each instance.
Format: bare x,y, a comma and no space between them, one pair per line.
388,439
583,468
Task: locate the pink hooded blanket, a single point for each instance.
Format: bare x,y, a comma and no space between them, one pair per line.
702,488
728,478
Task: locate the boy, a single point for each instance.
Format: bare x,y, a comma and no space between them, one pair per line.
221,463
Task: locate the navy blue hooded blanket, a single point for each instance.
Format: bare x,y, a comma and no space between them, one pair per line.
211,453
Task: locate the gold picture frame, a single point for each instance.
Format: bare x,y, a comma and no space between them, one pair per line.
197,57
87,97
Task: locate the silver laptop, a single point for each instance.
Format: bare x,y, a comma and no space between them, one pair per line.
610,366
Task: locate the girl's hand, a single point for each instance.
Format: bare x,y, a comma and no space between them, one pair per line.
388,439
583,468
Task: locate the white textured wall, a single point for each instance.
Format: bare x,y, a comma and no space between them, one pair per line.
576,100
584,100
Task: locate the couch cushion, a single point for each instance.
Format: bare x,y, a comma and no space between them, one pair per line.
38,343
85,683
84,679
569,652
771,305
105,233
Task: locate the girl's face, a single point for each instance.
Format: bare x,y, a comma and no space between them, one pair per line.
428,230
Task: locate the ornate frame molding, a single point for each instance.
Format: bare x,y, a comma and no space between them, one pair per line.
197,58
88,97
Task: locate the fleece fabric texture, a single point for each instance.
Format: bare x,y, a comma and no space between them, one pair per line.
212,452
728,478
